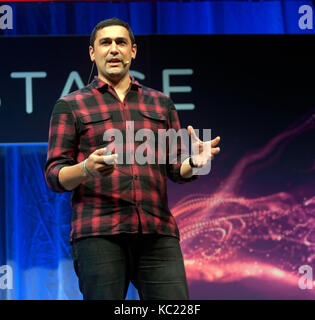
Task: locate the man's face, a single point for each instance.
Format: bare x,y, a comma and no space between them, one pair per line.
112,49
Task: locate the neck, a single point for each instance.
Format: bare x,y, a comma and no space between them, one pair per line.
120,85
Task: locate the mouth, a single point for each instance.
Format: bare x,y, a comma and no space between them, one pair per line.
114,62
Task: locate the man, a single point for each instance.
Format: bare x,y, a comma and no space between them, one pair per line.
122,228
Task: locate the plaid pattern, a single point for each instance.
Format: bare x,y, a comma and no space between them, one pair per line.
134,196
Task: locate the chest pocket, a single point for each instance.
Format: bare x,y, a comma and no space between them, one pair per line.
95,118
153,120
93,127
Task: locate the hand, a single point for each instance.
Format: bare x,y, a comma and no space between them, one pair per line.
203,151
100,165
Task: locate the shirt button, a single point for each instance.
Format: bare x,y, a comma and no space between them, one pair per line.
135,177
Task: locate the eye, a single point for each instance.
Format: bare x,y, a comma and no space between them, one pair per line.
122,42
105,42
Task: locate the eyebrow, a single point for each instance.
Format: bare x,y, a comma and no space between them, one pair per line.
108,38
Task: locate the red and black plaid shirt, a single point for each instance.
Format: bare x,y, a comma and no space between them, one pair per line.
134,197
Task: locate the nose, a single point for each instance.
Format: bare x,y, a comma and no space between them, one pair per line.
113,48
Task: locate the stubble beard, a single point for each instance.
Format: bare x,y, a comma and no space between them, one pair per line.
116,74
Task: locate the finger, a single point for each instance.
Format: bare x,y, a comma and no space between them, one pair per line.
215,141
104,168
110,159
105,159
107,172
198,161
192,132
100,151
204,162
215,150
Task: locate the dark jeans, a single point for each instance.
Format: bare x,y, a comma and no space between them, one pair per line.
153,263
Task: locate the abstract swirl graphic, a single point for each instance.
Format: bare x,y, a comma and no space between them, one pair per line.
226,237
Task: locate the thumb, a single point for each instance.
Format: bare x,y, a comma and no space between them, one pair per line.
100,152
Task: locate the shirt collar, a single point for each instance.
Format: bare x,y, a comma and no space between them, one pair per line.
98,83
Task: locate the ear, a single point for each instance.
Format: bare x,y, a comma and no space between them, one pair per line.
134,51
91,50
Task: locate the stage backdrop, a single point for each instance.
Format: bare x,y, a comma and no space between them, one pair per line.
247,228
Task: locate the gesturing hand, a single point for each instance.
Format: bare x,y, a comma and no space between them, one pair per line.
203,151
100,165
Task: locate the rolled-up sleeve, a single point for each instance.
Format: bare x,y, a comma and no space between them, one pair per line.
178,151
62,144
